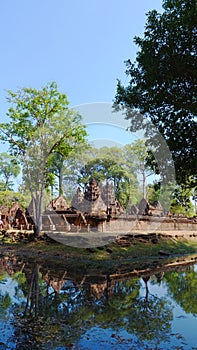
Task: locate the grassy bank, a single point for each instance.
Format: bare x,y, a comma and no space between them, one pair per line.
121,255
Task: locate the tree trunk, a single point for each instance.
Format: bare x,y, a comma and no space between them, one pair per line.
60,178
144,184
33,296
6,183
37,200
146,279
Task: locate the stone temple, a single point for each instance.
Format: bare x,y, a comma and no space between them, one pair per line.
97,209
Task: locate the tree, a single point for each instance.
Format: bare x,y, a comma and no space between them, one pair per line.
64,168
55,167
9,168
108,164
162,82
41,124
8,198
181,202
136,155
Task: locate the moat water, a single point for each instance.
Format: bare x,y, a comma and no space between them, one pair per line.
42,307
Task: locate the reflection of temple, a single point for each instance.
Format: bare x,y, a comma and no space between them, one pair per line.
96,286
54,282
97,290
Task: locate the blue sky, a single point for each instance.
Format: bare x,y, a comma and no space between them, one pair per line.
82,45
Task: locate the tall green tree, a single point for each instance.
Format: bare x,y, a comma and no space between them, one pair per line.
40,124
181,201
136,155
64,169
9,168
162,82
111,169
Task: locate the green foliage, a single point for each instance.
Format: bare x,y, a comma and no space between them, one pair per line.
153,192
63,168
180,198
136,156
109,164
162,82
127,168
181,202
5,303
9,168
3,186
182,286
99,168
8,198
41,124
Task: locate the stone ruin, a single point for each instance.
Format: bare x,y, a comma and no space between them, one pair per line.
144,207
15,217
88,211
95,209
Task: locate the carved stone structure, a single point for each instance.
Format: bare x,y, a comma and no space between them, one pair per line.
107,194
145,208
92,192
16,217
91,203
97,209
113,205
58,203
77,199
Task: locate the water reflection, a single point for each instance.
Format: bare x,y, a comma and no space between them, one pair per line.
42,307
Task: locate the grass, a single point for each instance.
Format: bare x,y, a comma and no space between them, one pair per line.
102,259
137,248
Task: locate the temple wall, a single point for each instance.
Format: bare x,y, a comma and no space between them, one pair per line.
150,224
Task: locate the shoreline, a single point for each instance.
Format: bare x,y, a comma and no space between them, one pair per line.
131,251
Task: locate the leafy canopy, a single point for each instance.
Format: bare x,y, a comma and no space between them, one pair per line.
40,124
9,168
162,82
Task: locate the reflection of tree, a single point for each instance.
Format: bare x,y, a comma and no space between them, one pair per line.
47,313
146,279
148,318
183,286
59,310
151,319
5,303
113,312
33,296
5,300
